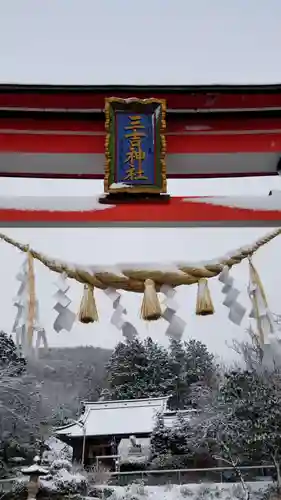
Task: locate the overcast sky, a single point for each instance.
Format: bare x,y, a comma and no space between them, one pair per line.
130,42
148,42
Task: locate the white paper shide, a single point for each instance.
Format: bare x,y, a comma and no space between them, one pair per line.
65,318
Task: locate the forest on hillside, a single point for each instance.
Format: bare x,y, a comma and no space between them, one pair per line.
237,410
70,375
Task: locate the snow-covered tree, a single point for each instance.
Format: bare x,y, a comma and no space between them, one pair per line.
159,438
168,445
180,445
256,402
139,369
180,394
21,405
241,425
146,369
9,356
249,350
199,363
192,366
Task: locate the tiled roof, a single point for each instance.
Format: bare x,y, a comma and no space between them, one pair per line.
113,418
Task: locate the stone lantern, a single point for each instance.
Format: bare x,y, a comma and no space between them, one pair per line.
34,472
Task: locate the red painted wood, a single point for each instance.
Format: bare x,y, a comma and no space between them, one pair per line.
175,124
175,211
39,124
188,144
188,100
29,143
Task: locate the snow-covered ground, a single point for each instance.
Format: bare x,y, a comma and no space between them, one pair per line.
230,491
62,483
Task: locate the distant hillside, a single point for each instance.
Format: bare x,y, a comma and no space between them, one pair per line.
69,375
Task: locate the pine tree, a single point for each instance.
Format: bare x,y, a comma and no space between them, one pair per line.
191,365
9,357
178,436
159,440
243,425
255,400
199,363
139,369
179,398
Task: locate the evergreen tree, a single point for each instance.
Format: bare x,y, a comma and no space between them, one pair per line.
179,398
180,446
9,357
17,403
255,399
159,440
192,365
199,363
178,436
139,369
243,425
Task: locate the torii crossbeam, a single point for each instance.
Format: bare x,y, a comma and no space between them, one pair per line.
205,131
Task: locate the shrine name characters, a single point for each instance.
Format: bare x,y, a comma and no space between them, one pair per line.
135,146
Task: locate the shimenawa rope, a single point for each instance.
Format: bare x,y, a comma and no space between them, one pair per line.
134,279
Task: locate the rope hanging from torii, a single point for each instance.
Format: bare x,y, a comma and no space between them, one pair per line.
133,280
146,279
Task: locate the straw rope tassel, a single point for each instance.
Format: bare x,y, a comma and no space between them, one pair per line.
31,299
150,308
88,310
204,304
255,304
256,279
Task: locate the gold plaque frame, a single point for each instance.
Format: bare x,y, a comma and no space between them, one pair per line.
113,104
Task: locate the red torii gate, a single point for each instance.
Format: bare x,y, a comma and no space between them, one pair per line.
212,131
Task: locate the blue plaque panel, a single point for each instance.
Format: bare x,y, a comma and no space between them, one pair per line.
135,149
135,146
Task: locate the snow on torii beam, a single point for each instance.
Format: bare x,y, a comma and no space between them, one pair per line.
214,131
200,211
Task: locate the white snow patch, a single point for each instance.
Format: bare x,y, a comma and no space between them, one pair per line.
169,267
33,469
63,479
118,268
118,185
272,202
67,476
131,99
53,203
208,491
50,485
105,269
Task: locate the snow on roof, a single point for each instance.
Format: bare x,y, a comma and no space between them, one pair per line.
113,418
